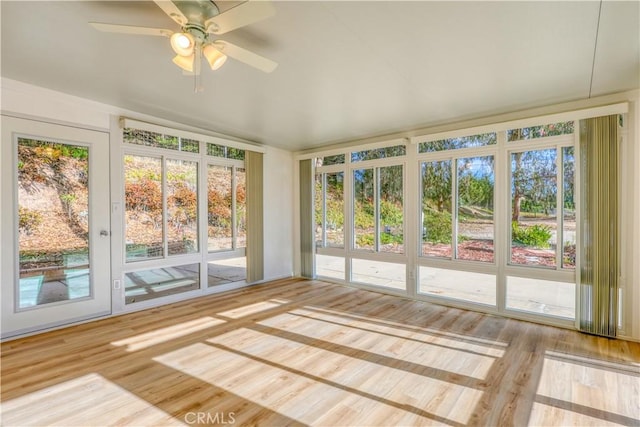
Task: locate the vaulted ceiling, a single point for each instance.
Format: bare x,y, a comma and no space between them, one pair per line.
347,70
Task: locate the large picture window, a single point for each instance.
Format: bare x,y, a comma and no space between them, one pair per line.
160,217
494,217
175,186
378,209
457,208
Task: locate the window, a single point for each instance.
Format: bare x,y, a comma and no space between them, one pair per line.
148,225
533,214
491,207
568,209
241,207
470,224
158,282
378,153
533,132
144,230
437,230
53,222
223,151
378,212
182,206
329,209
458,284
219,206
330,266
159,140
337,159
475,219
378,273
480,140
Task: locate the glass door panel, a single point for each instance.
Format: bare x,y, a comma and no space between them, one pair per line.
53,222
57,212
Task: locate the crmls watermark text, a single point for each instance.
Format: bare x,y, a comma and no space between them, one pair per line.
210,418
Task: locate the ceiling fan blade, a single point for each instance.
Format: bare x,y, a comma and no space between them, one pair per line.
172,11
129,29
244,14
248,57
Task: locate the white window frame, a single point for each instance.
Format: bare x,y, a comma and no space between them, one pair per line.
502,208
120,267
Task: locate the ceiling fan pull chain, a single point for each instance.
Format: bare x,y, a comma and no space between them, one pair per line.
198,62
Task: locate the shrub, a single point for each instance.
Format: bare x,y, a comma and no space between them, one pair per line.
218,209
144,195
437,226
387,238
28,220
185,198
363,217
365,240
535,235
391,213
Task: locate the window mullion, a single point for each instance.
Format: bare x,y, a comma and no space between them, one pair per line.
234,220
559,207
165,228
323,189
454,208
376,208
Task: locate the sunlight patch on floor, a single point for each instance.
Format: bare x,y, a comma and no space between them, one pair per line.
277,373
454,358
158,336
580,391
376,322
250,309
75,402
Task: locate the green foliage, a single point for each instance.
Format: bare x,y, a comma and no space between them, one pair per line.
144,195
552,129
390,213
437,226
388,238
475,191
335,212
73,151
536,236
459,142
143,173
363,217
28,219
365,240
379,153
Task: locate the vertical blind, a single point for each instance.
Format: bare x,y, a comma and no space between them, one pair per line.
599,233
306,219
255,224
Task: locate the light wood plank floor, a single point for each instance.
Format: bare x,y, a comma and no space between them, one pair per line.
296,352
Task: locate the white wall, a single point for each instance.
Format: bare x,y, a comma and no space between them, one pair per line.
30,101
278,213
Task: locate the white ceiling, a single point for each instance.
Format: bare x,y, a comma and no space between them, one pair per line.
347,70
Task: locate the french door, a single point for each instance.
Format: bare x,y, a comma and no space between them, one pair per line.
54,225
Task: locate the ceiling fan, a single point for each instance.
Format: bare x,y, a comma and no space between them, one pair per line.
200,22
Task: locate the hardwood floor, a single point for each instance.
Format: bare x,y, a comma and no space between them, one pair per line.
296,352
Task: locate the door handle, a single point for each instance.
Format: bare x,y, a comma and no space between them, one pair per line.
104,233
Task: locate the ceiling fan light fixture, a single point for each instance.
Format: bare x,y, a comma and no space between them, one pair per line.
214,56
184,62
182,43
